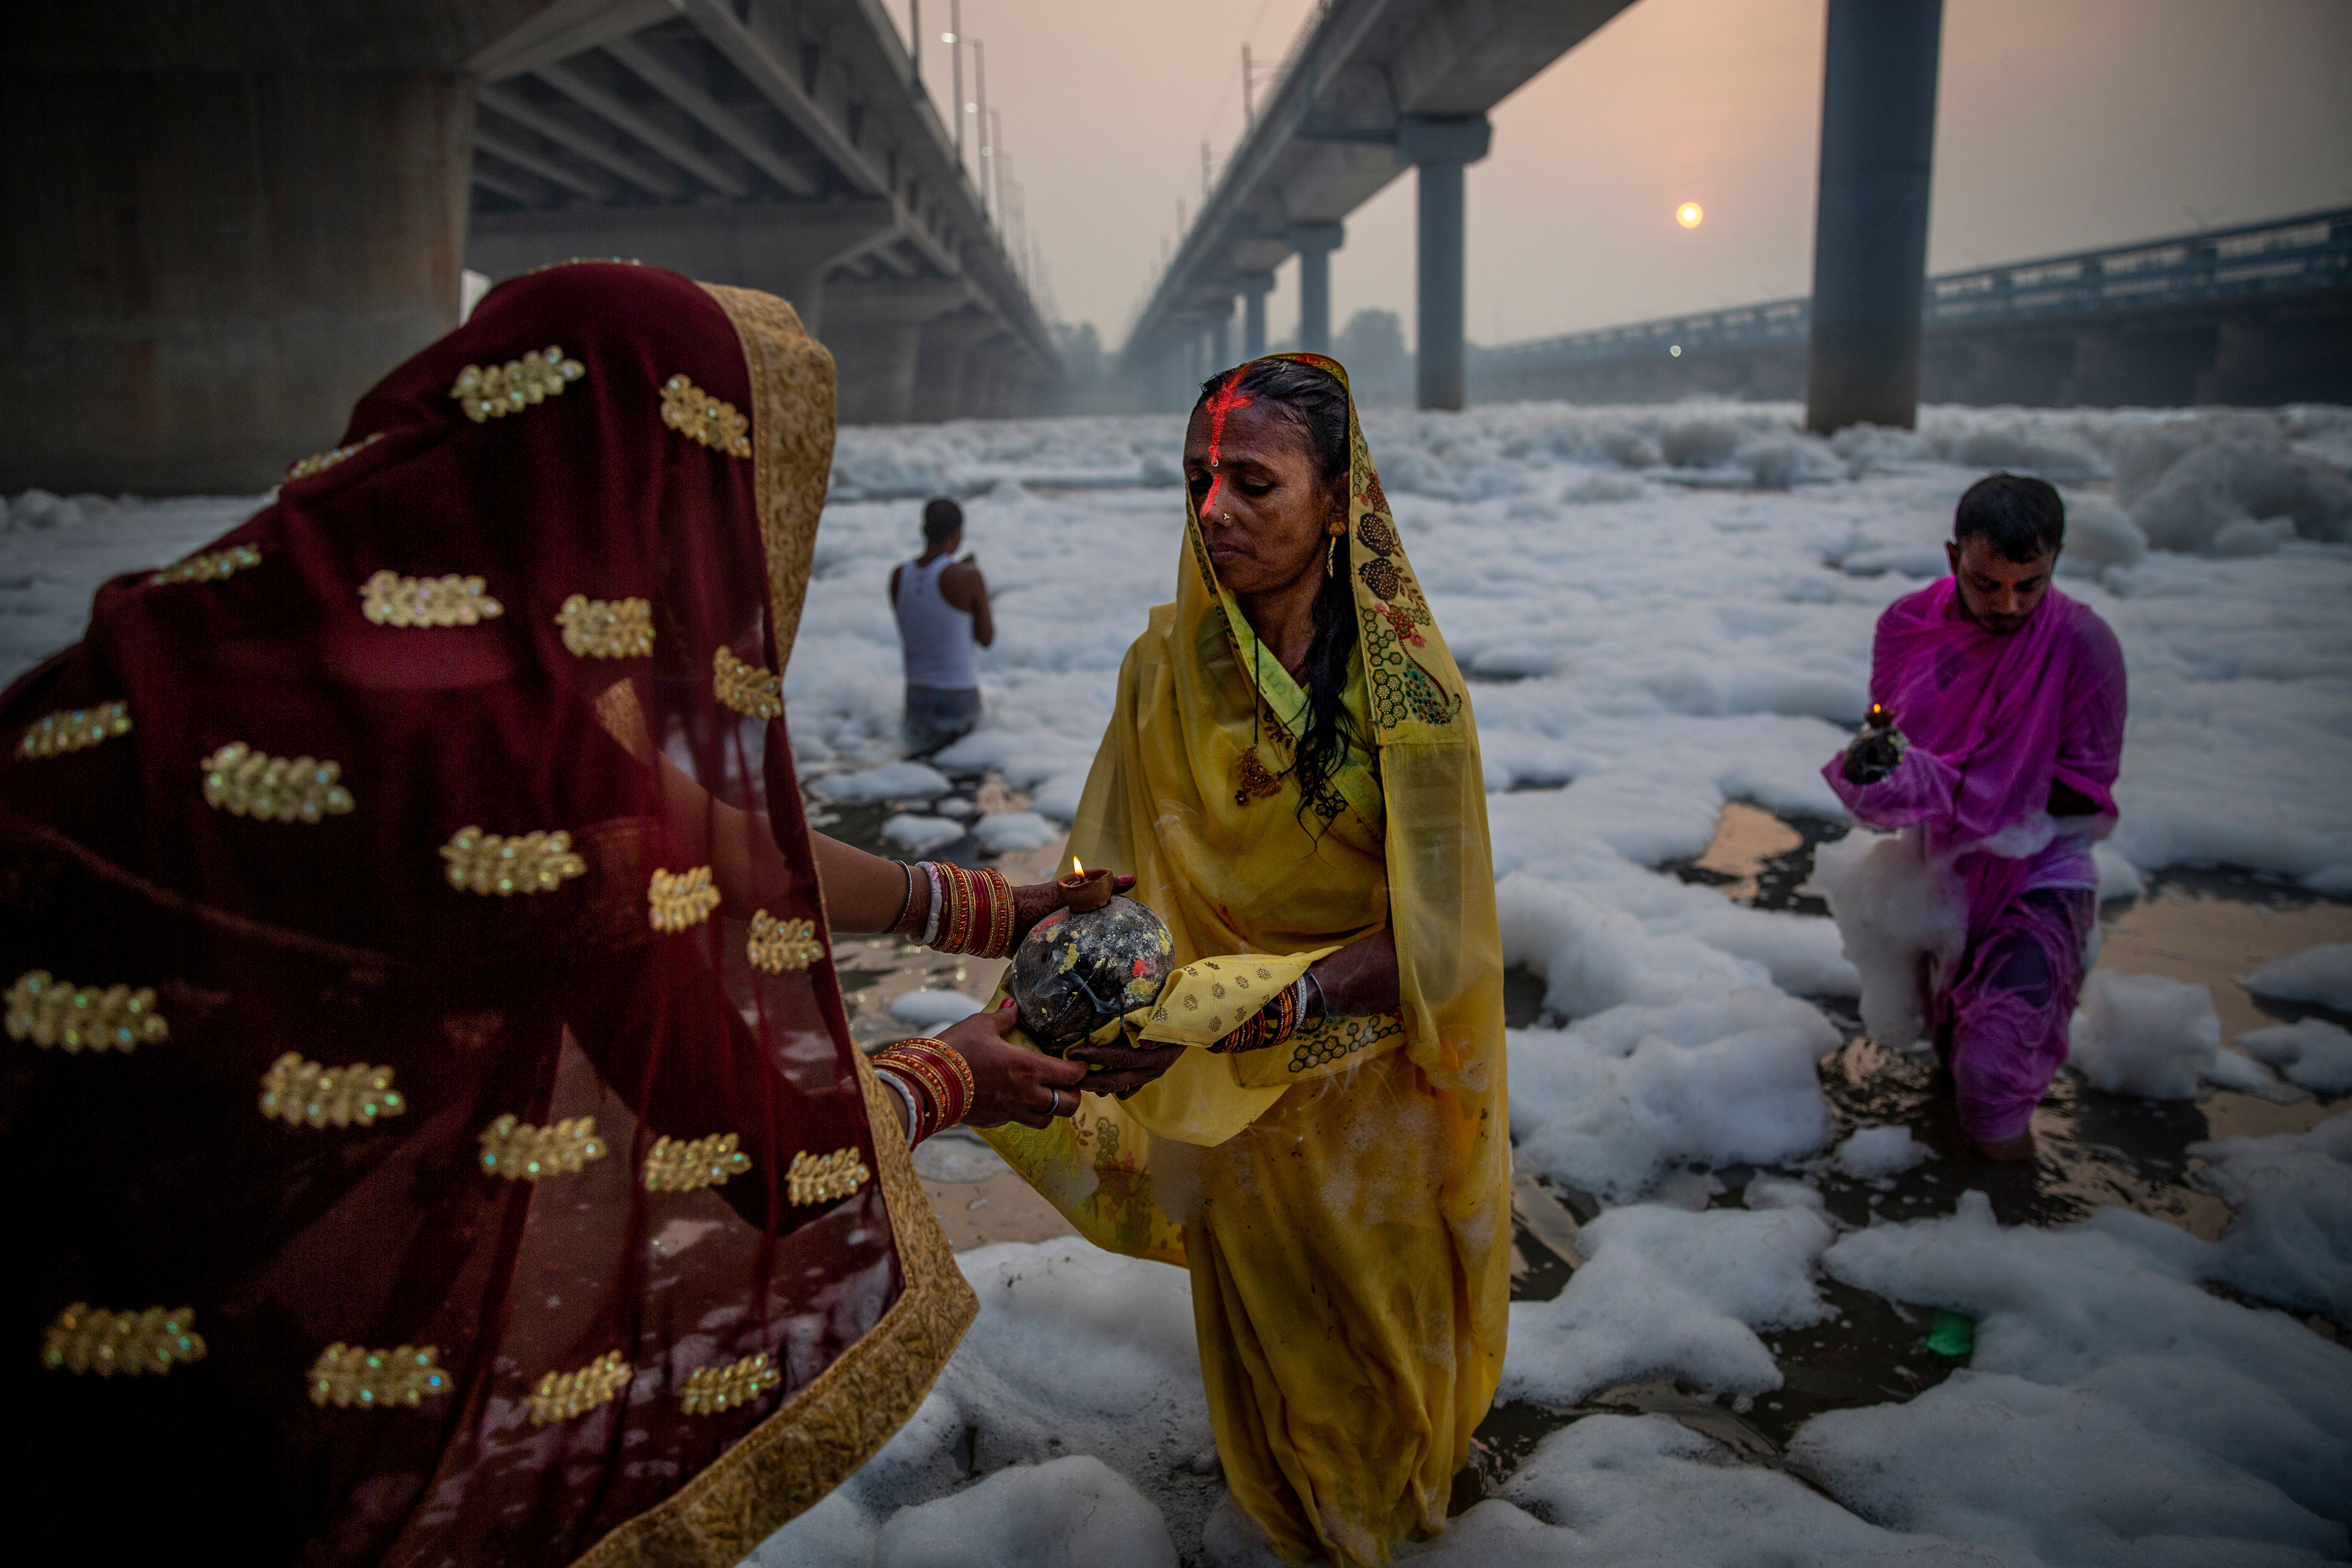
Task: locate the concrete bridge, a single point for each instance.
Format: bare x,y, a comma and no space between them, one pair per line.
1373,86
2260,313
1371,89
783,144
228,217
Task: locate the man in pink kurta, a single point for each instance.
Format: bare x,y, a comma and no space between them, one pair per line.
2002,732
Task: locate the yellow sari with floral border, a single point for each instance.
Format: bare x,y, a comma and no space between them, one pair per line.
1342,1200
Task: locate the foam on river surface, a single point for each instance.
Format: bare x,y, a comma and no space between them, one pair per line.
1661,610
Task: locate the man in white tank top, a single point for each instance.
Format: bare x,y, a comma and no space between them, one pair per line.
943,622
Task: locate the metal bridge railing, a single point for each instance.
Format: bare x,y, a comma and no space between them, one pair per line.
2313,252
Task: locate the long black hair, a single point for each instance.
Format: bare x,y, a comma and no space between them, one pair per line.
1314,402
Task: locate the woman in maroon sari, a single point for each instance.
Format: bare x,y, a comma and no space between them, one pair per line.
433,1127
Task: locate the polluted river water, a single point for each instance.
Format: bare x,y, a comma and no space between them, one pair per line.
2092,1150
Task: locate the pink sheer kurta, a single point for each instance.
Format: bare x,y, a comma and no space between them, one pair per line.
1995,722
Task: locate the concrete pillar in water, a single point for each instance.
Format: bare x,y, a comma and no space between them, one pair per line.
1221,339
983,377
207,268
1315,242
942,346
1256,286
225,222
875,330
1439,150
1870,226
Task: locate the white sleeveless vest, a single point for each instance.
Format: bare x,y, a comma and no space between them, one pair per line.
937,635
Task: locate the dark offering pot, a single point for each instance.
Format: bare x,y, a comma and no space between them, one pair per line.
1078,969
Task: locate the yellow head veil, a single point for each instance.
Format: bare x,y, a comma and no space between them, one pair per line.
1192,790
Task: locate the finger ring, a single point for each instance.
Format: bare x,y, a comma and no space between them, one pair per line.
1057,1103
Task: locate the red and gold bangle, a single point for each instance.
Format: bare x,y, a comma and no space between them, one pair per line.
934,1082
942,1072
978,915
927,1091
1000,915
1269,1026
956,937
927,1097
949,1068
947,1055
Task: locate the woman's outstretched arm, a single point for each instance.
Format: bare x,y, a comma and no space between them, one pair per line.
1358,979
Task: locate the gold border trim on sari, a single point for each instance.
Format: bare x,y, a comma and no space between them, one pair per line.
792,422
826,1432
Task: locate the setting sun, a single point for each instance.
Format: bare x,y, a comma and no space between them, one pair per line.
1689,214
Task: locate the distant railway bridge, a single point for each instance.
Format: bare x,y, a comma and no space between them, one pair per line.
2256,314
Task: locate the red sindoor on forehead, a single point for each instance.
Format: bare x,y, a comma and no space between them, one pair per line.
1225,401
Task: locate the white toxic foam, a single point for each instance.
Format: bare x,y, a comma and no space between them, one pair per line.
2320,975
2312,1052
1895,910
1664,1291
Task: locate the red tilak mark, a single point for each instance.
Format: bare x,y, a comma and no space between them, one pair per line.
1224,403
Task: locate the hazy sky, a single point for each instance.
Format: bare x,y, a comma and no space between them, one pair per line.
2060,124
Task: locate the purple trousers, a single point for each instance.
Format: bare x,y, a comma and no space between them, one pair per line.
2001,1025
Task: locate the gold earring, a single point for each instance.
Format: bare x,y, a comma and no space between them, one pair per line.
1332,558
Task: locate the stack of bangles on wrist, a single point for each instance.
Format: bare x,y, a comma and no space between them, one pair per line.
935,1080
1276,1021
970,911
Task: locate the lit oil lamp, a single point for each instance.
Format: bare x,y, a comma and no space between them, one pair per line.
1083,891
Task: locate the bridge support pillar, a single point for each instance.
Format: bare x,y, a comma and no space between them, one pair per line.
786,250
207,267
985,368
875,332
1256,286
1315,242
1870,226
943,345
1439,150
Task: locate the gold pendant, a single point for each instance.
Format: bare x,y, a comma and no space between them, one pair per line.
1255,783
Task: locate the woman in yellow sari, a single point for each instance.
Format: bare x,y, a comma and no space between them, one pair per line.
1292,775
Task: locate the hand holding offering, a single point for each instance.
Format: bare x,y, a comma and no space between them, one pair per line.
1011,1083
1081,891
1877,751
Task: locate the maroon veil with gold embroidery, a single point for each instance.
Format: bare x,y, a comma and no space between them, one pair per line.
432,1129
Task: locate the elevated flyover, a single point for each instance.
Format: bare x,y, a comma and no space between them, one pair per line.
784,144
2258,313
228,217
1371,89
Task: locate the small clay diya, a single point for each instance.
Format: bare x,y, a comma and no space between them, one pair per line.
1083,891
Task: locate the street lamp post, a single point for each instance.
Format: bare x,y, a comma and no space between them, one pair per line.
996,162
955,51
987,150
